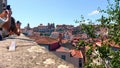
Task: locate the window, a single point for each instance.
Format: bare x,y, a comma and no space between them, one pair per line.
63,57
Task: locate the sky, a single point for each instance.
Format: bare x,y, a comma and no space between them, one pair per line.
60,12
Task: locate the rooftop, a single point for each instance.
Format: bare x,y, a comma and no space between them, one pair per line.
112,44
63,49
43,39
73,52
76,53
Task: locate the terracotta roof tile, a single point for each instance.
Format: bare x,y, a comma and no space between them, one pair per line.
65,41
76,53
114,45
43,39
111,44
98,44
62,49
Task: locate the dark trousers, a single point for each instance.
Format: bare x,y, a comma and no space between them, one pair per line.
0,37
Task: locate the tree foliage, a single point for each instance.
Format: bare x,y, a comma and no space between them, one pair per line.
112,23
112,20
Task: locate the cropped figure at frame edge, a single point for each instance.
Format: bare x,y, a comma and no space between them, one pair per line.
7,23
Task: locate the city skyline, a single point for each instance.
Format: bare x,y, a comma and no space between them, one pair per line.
55,11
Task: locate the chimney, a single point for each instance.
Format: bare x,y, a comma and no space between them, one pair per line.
60,38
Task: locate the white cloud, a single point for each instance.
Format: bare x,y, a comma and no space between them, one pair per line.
93,12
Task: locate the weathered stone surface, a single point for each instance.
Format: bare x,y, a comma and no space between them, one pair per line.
28,55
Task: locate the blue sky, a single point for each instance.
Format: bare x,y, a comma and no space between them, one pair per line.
37,12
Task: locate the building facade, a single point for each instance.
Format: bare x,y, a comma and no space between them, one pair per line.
72,56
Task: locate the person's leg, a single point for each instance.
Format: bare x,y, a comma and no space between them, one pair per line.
1,38
0,33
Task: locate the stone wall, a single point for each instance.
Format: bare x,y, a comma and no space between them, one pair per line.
28,55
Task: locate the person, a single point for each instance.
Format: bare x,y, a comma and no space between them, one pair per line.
15,27
1,34
18,24
4,17
12,26
5,20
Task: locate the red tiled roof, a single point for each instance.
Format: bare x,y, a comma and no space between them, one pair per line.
112,44
116,46
75,41
65,41
43,39
98,44
62,49
76,53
